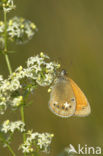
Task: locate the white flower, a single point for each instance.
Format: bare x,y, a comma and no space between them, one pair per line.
1,78
37,72
37,140
17,101
32,60
3,107
8,5
29,33
44,55
37,68
25,149
5,126
2,26
14,85
50,66
20,29
4,86
8,126
49,78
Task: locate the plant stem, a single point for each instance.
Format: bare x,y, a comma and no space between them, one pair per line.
5,46
23,120
10,72
9,67
8,63
8,146
11,150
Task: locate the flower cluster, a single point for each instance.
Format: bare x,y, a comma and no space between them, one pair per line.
8,126
17,101
39,70
25,80
35,141
19,30
7,5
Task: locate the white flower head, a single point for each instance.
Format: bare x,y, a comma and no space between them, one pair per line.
35,60
20,30
37,140
8,126
1,78
17,101
25,80
7,5
2,26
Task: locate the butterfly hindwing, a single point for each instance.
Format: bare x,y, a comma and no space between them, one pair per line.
62,99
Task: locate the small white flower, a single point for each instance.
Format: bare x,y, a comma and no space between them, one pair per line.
26,148
44,55
42,140
8,126
2,26
5,126
50,66
17,101
3,107
1,78
8,5
14,85
20,30
32,60
37,72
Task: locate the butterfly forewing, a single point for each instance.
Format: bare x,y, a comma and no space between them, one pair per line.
82,104
62,99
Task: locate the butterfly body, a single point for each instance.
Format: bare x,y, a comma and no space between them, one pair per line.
67,99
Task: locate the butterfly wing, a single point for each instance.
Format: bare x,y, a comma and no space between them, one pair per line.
62,99
82,104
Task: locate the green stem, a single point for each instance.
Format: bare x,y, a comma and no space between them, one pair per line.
10,72
5,46
8,146
11,150
23,120
8,63
5,31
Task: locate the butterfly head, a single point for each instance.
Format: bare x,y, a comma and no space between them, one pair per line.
63,72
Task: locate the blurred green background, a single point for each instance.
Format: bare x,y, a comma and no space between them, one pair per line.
70,32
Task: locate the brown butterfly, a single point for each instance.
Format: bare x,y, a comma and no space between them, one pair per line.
67,99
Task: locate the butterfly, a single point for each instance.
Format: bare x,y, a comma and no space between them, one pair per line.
67,99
